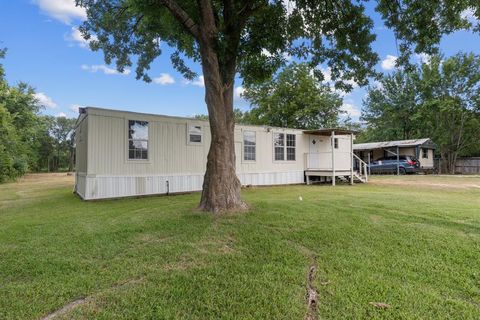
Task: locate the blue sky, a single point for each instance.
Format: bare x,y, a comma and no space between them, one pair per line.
46,51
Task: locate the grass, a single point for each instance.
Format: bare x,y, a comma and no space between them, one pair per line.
415,248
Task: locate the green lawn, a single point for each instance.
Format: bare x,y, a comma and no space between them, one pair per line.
416,249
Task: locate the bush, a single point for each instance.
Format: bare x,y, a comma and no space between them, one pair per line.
21,166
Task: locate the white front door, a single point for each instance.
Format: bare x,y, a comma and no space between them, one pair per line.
314,152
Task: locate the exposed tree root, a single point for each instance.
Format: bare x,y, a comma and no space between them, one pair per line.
65,309
312,294
80,301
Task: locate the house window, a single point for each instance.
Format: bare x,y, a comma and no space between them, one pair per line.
424,153
137,140
291,144
249,145
335,143
195,134
279,146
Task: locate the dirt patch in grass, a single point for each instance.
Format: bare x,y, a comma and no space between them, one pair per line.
312,294
436,181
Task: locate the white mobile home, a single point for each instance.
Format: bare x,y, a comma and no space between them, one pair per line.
120,153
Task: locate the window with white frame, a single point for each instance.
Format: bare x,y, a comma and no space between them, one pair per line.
137,140
291,145
249,146
424,153
284,147
279,146
195,134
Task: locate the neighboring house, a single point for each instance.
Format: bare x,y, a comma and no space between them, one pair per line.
421,149
121,153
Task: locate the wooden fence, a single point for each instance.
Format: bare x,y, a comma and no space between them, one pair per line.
463,165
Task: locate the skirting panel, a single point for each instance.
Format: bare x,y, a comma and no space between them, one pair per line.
80,184
103,187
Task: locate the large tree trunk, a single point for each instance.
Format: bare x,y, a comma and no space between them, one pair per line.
221,187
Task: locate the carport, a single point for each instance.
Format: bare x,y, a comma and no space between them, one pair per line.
421,149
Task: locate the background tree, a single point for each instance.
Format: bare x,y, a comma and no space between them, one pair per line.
389,107
229,36
440,100
62,132
450,112
294,98
17,125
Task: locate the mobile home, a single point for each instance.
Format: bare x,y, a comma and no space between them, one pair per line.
121,153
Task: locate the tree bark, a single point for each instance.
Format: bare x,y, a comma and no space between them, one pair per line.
221,187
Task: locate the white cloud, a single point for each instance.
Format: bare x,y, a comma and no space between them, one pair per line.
377,85
199,82
62,10
424,58
164,79
75,108
239,91
389,62
44,100
469,14
351,110
61,115
327,73
75,36
106,70
266,53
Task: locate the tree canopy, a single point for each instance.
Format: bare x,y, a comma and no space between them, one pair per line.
293,99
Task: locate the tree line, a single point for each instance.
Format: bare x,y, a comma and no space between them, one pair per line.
29,141
438,99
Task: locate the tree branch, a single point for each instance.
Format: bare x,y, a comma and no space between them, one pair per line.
185,20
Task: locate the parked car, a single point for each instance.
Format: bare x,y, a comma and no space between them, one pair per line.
406,164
